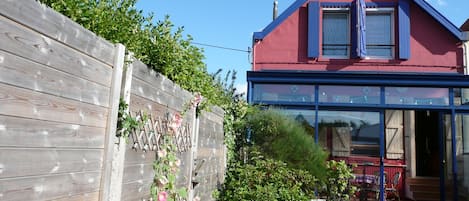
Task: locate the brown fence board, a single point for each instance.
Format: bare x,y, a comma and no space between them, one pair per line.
80,197
156,94
137,172
133,157
20,132
29,44
49,186
137,190
21,72
48,161
31,104
143,73
48,22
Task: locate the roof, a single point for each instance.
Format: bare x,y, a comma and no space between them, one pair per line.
465,26
421,3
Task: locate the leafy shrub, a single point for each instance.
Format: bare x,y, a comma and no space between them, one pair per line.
159,45
282,138
337,185
267,179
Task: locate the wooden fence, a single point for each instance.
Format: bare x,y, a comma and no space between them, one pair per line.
60,86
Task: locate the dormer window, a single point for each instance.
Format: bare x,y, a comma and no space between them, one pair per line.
335,30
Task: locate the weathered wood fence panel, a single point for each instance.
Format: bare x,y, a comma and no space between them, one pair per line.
155,95
54,105
59,93
212,151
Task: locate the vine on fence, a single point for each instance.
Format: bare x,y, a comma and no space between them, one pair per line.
167,164
162,137
125,123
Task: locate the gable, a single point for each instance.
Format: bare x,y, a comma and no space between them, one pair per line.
421,3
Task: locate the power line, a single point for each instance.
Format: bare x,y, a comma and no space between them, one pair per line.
221,47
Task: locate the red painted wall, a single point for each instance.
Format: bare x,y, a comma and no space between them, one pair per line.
433,48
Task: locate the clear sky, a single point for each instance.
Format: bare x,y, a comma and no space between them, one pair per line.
230,24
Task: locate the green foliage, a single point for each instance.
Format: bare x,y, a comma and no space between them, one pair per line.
166,167
236,109
159,45
337,186
126,123
285,139
266,179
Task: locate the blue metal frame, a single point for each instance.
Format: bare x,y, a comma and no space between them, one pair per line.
285,14
381,155
442,156
382,80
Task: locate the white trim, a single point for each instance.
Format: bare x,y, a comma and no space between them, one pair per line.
335,9
380,9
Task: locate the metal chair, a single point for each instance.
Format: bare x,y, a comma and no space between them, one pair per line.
376,187
393,191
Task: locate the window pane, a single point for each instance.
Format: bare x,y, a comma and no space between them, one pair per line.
417,96
355,133
283,93
461,96
379,34
349,94
304,117
335,34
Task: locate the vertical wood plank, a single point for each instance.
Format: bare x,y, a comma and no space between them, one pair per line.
108,166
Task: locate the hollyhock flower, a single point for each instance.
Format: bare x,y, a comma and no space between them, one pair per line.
197,198
197,100
162,196
175,122
162,153
177,163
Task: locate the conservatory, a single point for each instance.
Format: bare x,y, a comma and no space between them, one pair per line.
400,125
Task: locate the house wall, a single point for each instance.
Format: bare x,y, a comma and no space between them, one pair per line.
432,47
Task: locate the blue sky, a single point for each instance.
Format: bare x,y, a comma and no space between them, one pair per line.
231,24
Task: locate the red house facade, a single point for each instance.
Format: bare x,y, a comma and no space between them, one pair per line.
381,82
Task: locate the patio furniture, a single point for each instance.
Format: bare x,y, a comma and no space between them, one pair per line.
393,191
376,187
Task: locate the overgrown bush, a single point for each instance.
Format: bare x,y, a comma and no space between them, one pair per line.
337,185
282,138
267,179
158,44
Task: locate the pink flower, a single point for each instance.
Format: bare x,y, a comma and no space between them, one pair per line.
197,100
197,198
175,122
162,196
162,153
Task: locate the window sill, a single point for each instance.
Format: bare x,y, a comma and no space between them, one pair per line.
357,60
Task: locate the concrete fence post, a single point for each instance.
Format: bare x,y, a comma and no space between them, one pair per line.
113,170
